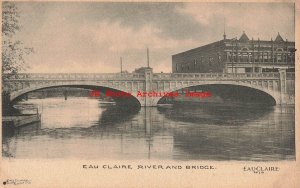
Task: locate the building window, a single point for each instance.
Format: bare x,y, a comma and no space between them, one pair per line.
202,59
279,55
256,57
289,57
244,57
248,69
250,57
235,57
259,56
265,55
219,58
228,56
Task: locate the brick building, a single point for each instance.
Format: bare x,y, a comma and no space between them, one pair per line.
237,56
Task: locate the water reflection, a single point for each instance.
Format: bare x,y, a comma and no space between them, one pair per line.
120,114
216,114
88,129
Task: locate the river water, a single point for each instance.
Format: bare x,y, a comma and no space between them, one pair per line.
85,128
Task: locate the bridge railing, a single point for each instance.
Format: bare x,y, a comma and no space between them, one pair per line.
137,76
213,75
76,76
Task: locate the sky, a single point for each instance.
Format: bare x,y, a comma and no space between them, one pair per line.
90,37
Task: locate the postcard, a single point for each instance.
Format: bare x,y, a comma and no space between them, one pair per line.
150,94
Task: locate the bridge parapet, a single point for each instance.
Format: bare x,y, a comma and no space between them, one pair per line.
137,76
223,76
78,76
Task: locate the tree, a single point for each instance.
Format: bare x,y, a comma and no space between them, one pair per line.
13,51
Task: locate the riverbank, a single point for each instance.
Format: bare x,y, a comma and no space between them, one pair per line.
15,121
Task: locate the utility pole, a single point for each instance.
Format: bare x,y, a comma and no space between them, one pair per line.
121,64
232,59
253,56
224,35
148,58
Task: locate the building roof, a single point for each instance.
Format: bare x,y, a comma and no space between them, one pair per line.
244,37
279,38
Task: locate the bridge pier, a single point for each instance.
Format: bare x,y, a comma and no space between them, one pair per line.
147,101
283,93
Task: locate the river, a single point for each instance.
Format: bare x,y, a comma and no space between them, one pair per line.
85,128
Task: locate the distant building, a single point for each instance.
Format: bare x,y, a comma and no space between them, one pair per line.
238,56
142,70
125,72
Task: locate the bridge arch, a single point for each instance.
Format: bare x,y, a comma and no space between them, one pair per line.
132,100
273,95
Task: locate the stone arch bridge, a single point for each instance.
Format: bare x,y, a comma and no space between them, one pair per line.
280,86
